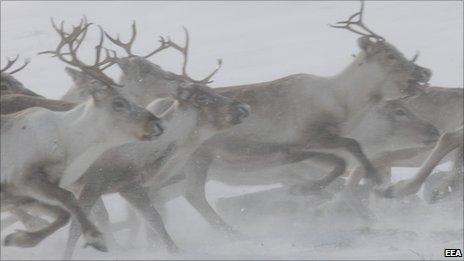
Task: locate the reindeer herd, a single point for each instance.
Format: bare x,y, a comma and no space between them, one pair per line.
155,135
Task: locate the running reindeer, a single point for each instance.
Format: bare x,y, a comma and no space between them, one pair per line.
336,105
441,106
32,168
448,142
15,97
9,84
314,114
144,80
194,114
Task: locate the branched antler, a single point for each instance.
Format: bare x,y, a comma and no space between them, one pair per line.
347,24
128,45
72,41
12,62
184,50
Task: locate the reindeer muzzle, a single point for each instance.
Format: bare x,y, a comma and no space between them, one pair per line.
422,75
432,134
155,129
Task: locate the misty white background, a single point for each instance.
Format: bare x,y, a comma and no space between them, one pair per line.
258,41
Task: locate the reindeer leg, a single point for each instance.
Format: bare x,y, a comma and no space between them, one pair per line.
103,219
29,221
314,185
195,191
199,164
137,196
383,162
354,148
159,197
40,186
447,142
8,221
89,196
458,169
22,238
132,223
451,184
339,168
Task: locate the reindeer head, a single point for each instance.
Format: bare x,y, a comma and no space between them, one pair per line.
107,100
125,116
146,80
402,74
200,105
9,84
391,123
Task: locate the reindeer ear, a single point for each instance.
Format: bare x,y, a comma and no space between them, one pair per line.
366,44
163,108
79,78
169,113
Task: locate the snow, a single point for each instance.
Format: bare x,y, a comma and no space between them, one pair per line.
258,41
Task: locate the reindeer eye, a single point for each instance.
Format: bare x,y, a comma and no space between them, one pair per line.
391,56
400,112
202,98
119,105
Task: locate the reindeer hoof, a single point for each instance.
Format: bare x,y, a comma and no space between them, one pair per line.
386,192
22,238
436,195
400,189
173,249
95,240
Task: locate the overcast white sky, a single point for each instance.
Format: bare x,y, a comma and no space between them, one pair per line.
258,41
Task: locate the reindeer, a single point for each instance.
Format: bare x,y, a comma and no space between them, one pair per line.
80,92
198,114
389,124
443,107
12,103
144,80
448,142
15,97
314,114
9,84
32,168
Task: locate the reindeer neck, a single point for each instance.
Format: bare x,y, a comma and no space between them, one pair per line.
358,88
181,125
85,125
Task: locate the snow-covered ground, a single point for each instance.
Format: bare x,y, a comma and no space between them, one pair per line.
258,41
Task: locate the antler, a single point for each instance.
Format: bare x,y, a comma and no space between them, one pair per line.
12,62
73,41
414,58
184,51
359,22
128,45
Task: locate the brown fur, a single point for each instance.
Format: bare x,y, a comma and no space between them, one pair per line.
12,103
